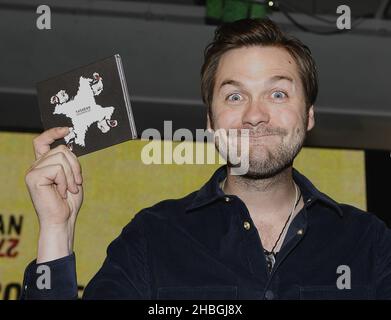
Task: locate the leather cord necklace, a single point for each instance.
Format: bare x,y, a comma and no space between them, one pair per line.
271,255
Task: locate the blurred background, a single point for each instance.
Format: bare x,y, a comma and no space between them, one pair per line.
347,154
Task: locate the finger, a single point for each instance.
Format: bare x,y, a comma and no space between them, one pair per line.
60,158
42,142
47,176
72,159
60,179
75,165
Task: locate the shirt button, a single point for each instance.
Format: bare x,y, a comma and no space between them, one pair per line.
227,199
309,200
246,225
269,295
300,232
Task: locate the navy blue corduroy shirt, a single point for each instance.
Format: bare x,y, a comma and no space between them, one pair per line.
198,248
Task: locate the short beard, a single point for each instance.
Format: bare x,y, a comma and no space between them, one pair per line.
275,161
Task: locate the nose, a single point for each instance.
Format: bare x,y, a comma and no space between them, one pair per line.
255,113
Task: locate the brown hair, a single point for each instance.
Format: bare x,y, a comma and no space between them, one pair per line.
253,32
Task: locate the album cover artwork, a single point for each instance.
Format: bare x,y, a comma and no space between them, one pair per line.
93,101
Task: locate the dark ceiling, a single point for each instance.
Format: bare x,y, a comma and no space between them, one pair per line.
359,8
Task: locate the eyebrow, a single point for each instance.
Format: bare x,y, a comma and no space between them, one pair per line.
269,81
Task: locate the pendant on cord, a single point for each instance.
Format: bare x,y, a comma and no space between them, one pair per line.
270,259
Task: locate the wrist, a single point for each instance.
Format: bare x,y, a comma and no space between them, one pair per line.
55,241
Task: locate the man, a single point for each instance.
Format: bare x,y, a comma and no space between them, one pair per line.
266,234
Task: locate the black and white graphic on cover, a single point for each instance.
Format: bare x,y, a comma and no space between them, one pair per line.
83,110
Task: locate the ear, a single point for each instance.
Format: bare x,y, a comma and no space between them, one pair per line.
311,118
208,126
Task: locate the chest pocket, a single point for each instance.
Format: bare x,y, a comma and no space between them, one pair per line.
333,293
198,293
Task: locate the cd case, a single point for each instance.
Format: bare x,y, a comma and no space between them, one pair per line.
93,101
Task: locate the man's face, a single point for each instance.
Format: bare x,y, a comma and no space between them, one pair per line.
259,88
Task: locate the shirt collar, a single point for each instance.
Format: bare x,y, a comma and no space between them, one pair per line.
311,193
211,191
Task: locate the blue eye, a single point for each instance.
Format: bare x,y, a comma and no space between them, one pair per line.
279,95
234,97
